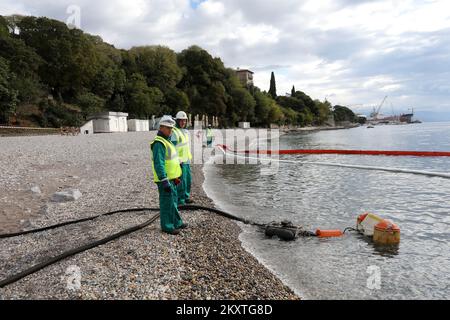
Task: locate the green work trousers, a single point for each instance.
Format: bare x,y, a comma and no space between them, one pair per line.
184,188
170,217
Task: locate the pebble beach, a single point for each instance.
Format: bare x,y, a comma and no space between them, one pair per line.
113,172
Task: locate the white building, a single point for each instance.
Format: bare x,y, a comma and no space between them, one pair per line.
108,122
87,128
136,125
244,125
245,77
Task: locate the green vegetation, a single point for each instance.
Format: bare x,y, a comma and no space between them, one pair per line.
8,96
344,114
273,86
51,75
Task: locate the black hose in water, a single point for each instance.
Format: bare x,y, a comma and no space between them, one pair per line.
350,229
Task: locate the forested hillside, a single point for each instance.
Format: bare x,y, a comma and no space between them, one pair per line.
51,76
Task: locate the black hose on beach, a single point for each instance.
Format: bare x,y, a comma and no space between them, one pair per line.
97,243
220,213
75,251
67,223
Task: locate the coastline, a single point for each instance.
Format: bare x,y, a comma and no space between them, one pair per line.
319,128
244,229
207,261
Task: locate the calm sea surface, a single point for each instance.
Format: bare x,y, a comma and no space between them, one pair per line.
332,198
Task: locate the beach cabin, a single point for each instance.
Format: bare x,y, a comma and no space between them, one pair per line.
87,128
109,122
135,125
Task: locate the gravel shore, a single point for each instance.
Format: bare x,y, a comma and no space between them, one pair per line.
113,172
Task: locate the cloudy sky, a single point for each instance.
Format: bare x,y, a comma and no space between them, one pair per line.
348,51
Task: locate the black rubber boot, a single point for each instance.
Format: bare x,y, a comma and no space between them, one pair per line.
174,232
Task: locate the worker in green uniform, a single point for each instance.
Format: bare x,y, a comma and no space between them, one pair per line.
209,136
167,173
180,138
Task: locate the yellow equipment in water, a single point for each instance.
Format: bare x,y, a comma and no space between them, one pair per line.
383,231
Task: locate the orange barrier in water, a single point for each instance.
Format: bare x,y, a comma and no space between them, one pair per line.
329,233
347,152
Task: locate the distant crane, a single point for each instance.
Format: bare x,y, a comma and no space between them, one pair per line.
376,112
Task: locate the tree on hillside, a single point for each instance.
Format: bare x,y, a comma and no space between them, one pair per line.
307,101
143,101
4,31
206,82
291,102
342,114
276,115
262,107
24,64
110,79
176,100
305,118
8,96
325,111
273,86
41,57
90,103
70,59
159,66
245,104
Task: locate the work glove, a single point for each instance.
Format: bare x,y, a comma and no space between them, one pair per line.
177,181
166,186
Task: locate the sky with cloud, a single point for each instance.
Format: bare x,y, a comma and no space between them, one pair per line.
348,51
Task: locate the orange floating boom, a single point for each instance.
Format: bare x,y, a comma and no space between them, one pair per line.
329,233
348,152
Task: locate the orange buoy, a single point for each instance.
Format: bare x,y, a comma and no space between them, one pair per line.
329,233
386,232
362,217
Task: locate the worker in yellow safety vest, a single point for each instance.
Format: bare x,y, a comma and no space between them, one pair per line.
180,138
167,173
209,136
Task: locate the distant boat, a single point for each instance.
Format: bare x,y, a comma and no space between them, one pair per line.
407,117
377,118
370,127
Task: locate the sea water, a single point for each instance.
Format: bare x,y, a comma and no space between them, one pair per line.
351,267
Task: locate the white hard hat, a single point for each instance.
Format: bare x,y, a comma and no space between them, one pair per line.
167,121
182,115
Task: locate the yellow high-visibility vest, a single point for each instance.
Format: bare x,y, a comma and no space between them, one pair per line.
209,134
172,163
183,146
